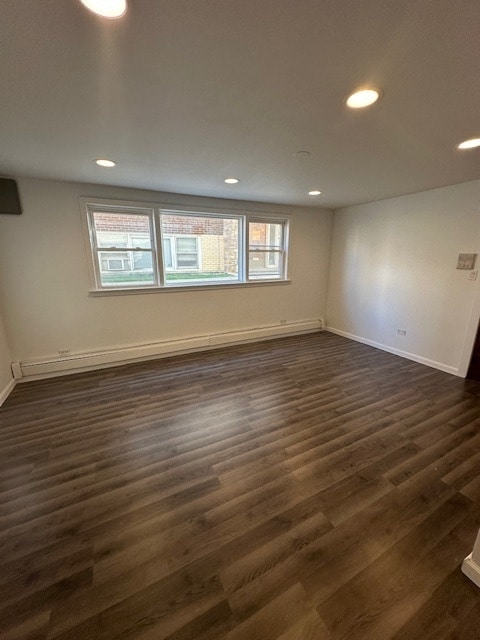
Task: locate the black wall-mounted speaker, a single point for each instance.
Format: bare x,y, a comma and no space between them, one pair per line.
9,197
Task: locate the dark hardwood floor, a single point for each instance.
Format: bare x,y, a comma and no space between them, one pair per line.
307,488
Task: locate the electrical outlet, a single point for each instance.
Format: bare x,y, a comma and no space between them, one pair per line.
473,275
283,322
63,352
402,332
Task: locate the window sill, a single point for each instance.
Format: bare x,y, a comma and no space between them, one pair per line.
205,287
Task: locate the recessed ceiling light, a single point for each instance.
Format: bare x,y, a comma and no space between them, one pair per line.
232,180
314,192
105,163
107,8
470,144
363,98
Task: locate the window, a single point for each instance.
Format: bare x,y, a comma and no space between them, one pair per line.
135,247
180,253
200,248
187,252
132,233
266,250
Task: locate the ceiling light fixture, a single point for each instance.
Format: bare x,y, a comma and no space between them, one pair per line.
107,8
314,192
105,163
469,144
231,180
362,98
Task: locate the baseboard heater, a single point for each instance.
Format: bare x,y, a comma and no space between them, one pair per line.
84,361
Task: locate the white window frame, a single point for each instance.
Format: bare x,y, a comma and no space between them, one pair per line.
282,251
153,211
96,250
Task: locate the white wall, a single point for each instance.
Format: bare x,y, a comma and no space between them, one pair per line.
393,267
44,279
6,379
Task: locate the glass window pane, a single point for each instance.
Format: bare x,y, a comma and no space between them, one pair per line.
265,235
113,261
141,242
109,240
265,265
265,255
141,260
201,249
126,269
122,230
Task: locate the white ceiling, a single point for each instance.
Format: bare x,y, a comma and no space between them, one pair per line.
183,93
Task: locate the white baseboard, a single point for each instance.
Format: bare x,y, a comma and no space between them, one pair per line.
398,352
6,391
471,569
89,360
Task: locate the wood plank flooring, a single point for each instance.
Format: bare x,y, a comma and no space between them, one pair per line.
307,488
